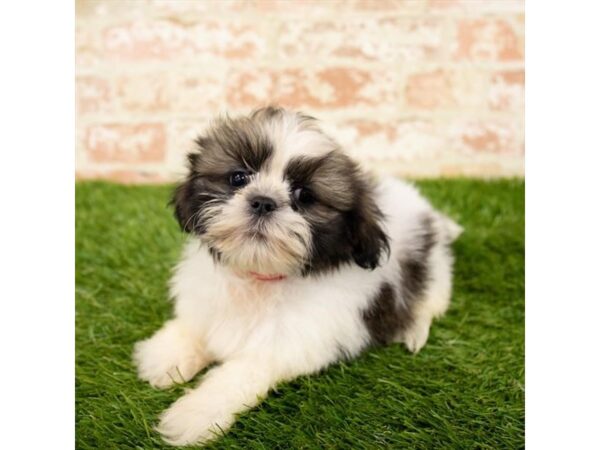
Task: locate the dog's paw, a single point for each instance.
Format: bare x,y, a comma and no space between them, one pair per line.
416,336
167,358
190,420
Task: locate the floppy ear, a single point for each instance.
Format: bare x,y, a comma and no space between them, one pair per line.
183,196
367,238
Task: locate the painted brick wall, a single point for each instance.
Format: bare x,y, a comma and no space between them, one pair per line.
411,87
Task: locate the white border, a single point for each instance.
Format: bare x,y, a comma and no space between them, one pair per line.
37,234
563,225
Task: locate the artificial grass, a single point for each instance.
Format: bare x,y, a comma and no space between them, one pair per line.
465,389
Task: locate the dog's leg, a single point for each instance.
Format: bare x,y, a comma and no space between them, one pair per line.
435,301
172,355
210,409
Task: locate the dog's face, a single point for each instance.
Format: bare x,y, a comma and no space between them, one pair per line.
272,194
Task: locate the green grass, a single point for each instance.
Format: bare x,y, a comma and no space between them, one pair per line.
465,389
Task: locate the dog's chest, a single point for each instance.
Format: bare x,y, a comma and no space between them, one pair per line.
247,316
308,322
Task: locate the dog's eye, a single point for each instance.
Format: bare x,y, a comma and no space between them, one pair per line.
239,178
303,196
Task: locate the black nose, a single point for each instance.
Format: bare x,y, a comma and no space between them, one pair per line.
262,205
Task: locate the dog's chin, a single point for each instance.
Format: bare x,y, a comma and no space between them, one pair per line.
269,250
257,254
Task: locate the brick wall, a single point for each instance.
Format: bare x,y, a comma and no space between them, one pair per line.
411,87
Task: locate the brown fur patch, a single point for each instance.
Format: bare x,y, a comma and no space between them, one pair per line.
383,317
229,145
387,316
414,268
344,218
329,177
232,144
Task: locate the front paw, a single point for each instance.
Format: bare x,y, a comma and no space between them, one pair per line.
168,357
192,420
161,370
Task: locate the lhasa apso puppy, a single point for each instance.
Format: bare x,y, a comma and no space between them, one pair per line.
297,259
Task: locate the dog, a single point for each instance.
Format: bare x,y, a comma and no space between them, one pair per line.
297,258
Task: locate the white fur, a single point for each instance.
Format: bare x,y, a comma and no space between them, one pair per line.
262,333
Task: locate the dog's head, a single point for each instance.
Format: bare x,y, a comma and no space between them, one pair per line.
272,194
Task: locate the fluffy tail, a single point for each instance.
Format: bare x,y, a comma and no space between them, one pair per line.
450,229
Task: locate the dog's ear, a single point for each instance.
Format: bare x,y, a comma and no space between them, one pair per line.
368,239
183,197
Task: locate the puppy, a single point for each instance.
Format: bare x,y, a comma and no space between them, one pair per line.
296,259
